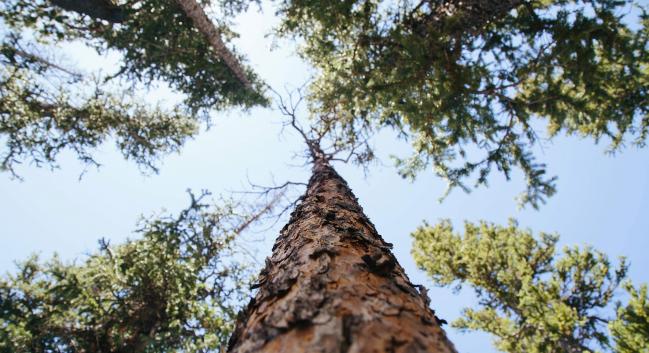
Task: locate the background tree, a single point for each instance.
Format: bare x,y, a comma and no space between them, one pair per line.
468,83
631,328
530,298
46,107
463,81
178,287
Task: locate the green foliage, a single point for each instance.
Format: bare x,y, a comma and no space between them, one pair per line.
157,41
160,42
631,328
176,289
469,83
531,299
46,108
40,116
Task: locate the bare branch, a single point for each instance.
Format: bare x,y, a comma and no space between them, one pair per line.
264,210
17,50
328,137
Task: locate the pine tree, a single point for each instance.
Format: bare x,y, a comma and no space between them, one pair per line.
630,329
47,107
177,287
332,283
473,84
451,75
530,297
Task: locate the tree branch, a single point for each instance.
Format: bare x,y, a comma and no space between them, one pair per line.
102,9
45,62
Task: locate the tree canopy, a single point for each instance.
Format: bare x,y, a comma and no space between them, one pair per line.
471,83
529,297
45,107
177,287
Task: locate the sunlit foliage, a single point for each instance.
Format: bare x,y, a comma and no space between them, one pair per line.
530,298
631,328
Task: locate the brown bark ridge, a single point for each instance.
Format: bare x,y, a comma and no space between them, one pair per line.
195,12
333,285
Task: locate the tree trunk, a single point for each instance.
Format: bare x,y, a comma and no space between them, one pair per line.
333,285
106,10
195,12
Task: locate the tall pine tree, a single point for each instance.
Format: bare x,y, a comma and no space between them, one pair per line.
332,283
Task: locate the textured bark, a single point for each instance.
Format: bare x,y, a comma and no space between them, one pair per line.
195,12
102,9
332,284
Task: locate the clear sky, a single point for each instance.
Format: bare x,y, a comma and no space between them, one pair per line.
601,199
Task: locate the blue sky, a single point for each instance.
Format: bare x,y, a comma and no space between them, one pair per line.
602,200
